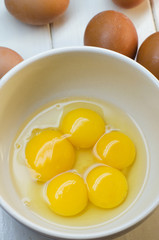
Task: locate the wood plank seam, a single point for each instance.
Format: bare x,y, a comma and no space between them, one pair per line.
50,33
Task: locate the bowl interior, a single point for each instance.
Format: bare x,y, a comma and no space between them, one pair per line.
89,72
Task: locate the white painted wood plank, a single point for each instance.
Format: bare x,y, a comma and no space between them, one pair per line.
25,39
155,9
68,30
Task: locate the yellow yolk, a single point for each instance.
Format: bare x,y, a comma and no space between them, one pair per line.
67,194
115,149
83,126
107,187
48,153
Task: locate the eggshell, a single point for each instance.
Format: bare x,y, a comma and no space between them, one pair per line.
36,12
112,30
127,3
148,54
8,59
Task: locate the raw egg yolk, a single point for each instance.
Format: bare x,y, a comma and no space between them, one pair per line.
115,149
67,194
83,127
48,153
107,187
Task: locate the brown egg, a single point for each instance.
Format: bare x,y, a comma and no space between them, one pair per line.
127,3
8,59
36,12
148,54
112,30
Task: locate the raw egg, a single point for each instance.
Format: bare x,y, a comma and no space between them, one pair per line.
148,54
115,149
8,60
36,12
107,187
112,30
83,127
127,3
49,153
67,194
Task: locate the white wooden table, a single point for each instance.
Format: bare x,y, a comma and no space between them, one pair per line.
68,30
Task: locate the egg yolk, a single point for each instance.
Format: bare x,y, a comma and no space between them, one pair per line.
115,149
83,127
107,187
48,153
67,194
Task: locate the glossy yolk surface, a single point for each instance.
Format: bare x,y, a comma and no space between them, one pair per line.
67,194
115,149
83,126
107,187
48,153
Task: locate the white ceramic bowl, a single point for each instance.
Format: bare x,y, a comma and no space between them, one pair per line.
82,71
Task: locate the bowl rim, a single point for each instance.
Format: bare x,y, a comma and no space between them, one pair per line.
55,233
